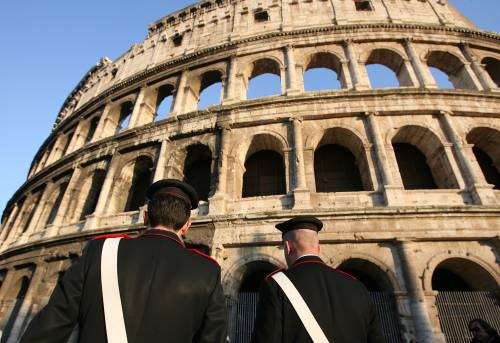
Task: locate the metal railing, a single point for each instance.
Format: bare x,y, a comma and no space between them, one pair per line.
456,309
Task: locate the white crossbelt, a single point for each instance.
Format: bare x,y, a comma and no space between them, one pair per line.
312,327
113,312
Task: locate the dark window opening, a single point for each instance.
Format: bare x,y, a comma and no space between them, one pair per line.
94,192
18,302
492,67
365,278
264,175
261,16
197,169
445,280
57,203
141,180
68,141
363,5
490,172
177,39
335,170
413,167
92,129
31,213
125,114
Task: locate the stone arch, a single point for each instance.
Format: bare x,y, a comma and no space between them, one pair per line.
395,61
414,140
492,67
328,60
198,169
163,92
91,128
486,143
453,66
260,66
53,202
124,116
128,191
208,79
264,171
359,176
236,272
370,270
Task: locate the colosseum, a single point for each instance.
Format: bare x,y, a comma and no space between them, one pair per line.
405,178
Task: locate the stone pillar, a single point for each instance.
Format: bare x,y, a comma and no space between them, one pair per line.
71,192
229,89
425,79
302,197
160,164
346,75
179,95
135,118
104,123
424,331
391,190
357,79
78,137
481,192
39,211
218,201
291,72
8,222
56,152
483,77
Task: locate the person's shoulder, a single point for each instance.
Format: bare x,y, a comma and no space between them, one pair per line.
111,235
203,259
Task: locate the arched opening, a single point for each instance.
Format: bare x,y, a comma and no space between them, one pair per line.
125,115
340,163
92,129
265,79
210,89
413,167
381,292
141,180
486,143
23,285
324,71
264,174
465,291
164,102
57,203
197,169
69,138
441,78
94,191
386,68
421,159
453,67
30,210
492,67
255,272
335,170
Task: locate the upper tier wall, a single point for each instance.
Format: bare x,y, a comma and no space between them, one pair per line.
213,23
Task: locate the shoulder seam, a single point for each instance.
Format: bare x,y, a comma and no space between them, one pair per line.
210,258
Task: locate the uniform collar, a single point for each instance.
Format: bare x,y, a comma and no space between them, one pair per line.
306,259
164,234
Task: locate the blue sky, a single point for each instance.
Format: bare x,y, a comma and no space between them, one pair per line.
47,47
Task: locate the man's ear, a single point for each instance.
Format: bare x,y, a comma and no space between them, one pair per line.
185,228
288,247
146,218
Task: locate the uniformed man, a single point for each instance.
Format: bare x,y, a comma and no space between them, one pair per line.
339,304
169,293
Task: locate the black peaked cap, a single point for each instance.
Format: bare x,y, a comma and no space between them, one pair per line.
300,222
176,188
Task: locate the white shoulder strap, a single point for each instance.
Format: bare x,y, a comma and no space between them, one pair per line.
313,329
113,312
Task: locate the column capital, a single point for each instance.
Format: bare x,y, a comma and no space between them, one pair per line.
445,112
371,113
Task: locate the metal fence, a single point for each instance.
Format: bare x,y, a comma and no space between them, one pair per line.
242,315
456,309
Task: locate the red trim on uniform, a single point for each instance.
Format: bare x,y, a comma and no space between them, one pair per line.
302,262
205,255
274,272
112,235
165,236
346,274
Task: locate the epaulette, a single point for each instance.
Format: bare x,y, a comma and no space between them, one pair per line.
112,235
274,272
197,252
346,274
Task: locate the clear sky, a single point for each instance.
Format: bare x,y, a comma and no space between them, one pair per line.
48,46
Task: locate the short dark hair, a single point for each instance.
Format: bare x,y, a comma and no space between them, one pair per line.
168,211
487,327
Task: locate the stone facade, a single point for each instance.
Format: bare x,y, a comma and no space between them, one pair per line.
89,175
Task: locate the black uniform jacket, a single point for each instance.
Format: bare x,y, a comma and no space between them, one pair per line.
340,304
168,293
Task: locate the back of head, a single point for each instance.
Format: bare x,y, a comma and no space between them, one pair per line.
168,211
304,241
